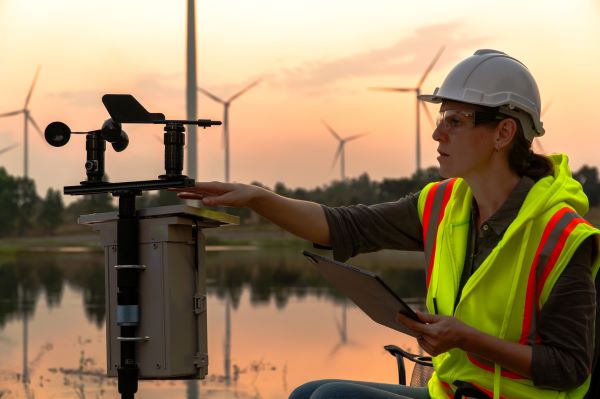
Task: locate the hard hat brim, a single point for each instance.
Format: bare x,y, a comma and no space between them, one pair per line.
430,98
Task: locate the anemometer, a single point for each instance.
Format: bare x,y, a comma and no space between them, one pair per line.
124,108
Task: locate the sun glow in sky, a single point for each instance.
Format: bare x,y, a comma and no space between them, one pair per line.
316,58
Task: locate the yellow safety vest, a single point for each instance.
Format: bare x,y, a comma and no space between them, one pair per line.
504,295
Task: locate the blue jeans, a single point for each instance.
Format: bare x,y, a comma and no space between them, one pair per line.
346,389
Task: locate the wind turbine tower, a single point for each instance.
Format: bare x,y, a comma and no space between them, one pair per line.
27,118
417,91
340,153
226,104
191,83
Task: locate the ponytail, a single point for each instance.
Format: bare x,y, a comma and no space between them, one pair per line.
525,162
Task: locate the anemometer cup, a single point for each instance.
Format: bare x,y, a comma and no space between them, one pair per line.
57,134
113,133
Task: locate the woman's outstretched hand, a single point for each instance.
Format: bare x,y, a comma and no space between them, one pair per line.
217,193
303,218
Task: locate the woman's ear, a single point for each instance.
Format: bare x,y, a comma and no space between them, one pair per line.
505,132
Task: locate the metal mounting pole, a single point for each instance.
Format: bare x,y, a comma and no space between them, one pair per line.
128,308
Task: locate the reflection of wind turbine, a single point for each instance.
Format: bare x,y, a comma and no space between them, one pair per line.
27,118
342,327
25,376
227,344
340,153
417,91
8,148
226,105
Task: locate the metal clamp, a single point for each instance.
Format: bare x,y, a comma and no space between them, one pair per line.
201,360
141,267
133,339
128,315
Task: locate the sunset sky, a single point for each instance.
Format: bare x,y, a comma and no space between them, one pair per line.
317,60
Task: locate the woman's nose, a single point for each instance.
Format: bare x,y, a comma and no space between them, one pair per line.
437,133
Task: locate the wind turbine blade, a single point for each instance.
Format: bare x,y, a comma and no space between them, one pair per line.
335,349
339,326
429,117
210,95
337,155
356,136
545,108
37,72
11,113
539,145
6,149
430,67
35,125
396,89
332,131
245,89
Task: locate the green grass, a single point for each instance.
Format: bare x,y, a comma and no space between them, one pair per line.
244,236
15,245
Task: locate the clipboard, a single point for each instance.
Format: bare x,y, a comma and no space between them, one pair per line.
367,290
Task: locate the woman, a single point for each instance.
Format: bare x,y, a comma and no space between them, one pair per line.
510,261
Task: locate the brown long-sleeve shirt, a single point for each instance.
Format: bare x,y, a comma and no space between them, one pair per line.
566,324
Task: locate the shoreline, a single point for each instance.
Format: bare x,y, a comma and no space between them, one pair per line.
230,237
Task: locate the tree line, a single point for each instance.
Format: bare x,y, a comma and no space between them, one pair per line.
23,212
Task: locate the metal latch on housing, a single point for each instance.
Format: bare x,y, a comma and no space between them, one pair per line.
199,304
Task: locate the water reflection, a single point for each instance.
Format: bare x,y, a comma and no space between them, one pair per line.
273,324
45,275
280,274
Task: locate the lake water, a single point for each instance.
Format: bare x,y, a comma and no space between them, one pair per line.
286,326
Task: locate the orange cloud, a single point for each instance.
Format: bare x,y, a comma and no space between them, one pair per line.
403,57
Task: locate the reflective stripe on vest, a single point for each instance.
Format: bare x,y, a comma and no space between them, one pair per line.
485,364
555,234
487,391
435,205
552,243
447,389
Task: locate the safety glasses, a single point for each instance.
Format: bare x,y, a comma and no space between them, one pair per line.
454,120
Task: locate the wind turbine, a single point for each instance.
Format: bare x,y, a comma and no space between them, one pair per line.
417,91
340,153
226,104
27,119
191,83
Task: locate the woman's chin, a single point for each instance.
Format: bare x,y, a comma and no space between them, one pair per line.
444,172
448,173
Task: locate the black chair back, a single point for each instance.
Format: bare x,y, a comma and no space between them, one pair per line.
594,391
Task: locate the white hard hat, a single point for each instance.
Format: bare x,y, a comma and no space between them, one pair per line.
492,78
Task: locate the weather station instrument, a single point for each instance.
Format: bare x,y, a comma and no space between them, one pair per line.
155,271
